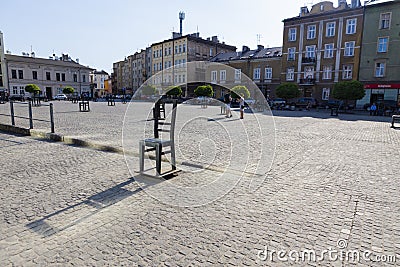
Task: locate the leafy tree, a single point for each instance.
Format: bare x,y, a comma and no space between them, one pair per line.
174,91
238,90
288,91
148,90
32,88
204,90
68,90
348,90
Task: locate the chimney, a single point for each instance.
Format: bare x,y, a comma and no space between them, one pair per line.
355,3
304,11
245,49
215,39
260,47
342,2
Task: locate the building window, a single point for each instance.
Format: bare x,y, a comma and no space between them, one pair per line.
347,72
166,52
211,52
328,51
384,21
325,93
291,53
34,75
1,81
14,74
22,90
292,34
330,29
290,74
268,73
380,69
310,51
184,48
351,26
84,78
169,50
311,29
383,44
15,90
180,48
20,74
238,74
48,78
63,77
309,72
75,77
222,75
256,74
214,76
327,72
57,76
349,48
160,66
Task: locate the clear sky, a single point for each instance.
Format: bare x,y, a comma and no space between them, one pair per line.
101,32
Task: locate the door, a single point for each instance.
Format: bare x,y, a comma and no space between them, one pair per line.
49,93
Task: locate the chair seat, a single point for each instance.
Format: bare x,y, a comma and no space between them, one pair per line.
156,141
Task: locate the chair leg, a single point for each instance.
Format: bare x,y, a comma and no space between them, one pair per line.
141,156
158,158
173,160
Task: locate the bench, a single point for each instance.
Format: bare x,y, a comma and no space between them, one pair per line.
84,106
395,119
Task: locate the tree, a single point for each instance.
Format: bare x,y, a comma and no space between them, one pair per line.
204,90
148,90
174,91
348,90
68,90
288,91
32,88
238,90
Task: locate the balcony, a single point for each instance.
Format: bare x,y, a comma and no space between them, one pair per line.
308,60
307,81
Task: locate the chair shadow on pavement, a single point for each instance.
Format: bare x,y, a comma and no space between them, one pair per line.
79,212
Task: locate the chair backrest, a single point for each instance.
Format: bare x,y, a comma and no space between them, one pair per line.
160,123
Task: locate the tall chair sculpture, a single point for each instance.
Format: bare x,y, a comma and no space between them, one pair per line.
158,144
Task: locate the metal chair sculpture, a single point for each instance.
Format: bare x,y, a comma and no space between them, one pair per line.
158,144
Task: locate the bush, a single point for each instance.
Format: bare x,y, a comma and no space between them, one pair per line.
68,90
348,90
174,91
288,91
204,90
32,88
238,90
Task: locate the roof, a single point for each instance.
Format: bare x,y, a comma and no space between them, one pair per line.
102,72
321,14
44,61
263,53
198,39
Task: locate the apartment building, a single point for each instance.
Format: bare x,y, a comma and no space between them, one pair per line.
262,67
321,46
51,75
380,61
169,59
98,80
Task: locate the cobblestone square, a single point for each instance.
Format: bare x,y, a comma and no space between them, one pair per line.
329,184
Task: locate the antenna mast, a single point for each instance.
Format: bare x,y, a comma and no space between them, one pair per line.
181,18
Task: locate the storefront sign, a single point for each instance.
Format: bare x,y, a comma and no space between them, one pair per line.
382,86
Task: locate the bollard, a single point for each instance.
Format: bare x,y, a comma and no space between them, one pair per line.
30,115
52,118
12,113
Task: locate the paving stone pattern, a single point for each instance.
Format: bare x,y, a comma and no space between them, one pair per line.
331,179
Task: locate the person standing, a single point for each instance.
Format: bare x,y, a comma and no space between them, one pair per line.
241,103
372,110
227,100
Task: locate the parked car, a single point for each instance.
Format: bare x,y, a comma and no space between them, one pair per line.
278,101
303,102
60,97
16,98
249,102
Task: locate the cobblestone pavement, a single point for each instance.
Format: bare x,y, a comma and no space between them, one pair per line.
333,184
